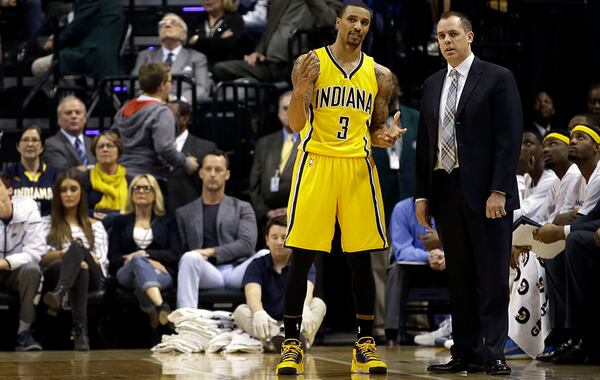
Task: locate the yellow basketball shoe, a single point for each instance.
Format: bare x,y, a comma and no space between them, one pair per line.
365,358
292,358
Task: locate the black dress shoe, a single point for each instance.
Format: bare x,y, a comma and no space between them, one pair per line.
455,366
575,355
550,356
54,300
498,368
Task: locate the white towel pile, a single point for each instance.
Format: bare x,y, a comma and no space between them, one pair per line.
199,330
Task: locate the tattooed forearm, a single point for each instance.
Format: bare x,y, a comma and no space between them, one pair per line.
385,85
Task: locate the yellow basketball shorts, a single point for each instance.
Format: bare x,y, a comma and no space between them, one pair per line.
326,188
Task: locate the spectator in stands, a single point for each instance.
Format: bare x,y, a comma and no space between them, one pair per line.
218,234
271,175
593,100
144,248
69,147
75,260
418,259
172,32
219,32
147,127
22,245
183,187
32,178
270,60
89,44
543,112
264,286
533,179
106,184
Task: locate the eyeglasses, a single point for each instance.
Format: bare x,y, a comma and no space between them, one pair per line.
170,21
73,189
106,146
142,189
30,140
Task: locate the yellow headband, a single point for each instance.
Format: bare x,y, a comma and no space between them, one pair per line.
557,136
587,130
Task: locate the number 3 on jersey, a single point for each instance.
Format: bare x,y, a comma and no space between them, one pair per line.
344,121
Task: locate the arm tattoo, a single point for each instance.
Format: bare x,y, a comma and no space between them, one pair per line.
382,100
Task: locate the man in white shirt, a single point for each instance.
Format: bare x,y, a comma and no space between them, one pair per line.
22,244
172,31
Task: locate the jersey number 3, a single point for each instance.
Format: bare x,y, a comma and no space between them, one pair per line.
343,134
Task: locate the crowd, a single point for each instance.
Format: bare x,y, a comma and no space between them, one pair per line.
144,203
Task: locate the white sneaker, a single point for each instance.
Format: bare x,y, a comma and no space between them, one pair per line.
429,339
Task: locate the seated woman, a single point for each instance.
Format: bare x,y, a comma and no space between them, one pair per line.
76,260
32,178
219,32
144,248
106,184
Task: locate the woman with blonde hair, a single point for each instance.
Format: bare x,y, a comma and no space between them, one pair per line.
106,184
144,248
76,258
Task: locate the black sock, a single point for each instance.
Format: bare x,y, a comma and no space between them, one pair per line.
292,326
365,328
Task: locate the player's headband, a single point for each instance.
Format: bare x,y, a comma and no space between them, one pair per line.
588,131
557,136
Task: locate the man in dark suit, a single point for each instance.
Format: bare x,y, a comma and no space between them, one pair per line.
184,188
173,31
271,175
467,151
89,45
69,147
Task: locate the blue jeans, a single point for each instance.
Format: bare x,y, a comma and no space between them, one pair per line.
196,273
139,274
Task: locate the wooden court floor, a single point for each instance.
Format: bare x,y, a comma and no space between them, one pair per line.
321,363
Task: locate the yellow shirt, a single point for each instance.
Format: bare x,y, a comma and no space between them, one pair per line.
341,108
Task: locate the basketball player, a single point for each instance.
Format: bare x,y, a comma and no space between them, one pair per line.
340,106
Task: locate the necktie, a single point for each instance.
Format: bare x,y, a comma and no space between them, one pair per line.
81,151
286,150
169,60
448,132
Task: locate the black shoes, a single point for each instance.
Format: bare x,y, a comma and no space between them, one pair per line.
455,365
563,348
54,300
497,368
79,335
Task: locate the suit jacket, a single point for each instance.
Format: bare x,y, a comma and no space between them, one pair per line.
236,229
219,49
489,125
188,62
266,161
61,154
90,44
165,247
183,188
323,11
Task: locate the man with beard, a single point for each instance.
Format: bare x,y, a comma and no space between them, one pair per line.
340,106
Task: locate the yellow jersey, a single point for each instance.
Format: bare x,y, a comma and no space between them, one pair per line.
340,112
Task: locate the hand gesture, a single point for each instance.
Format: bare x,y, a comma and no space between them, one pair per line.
516,252
549,233
307,73
260,322
386,137
158,265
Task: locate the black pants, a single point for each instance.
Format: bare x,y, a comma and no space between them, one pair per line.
582,265
477,253
69,274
